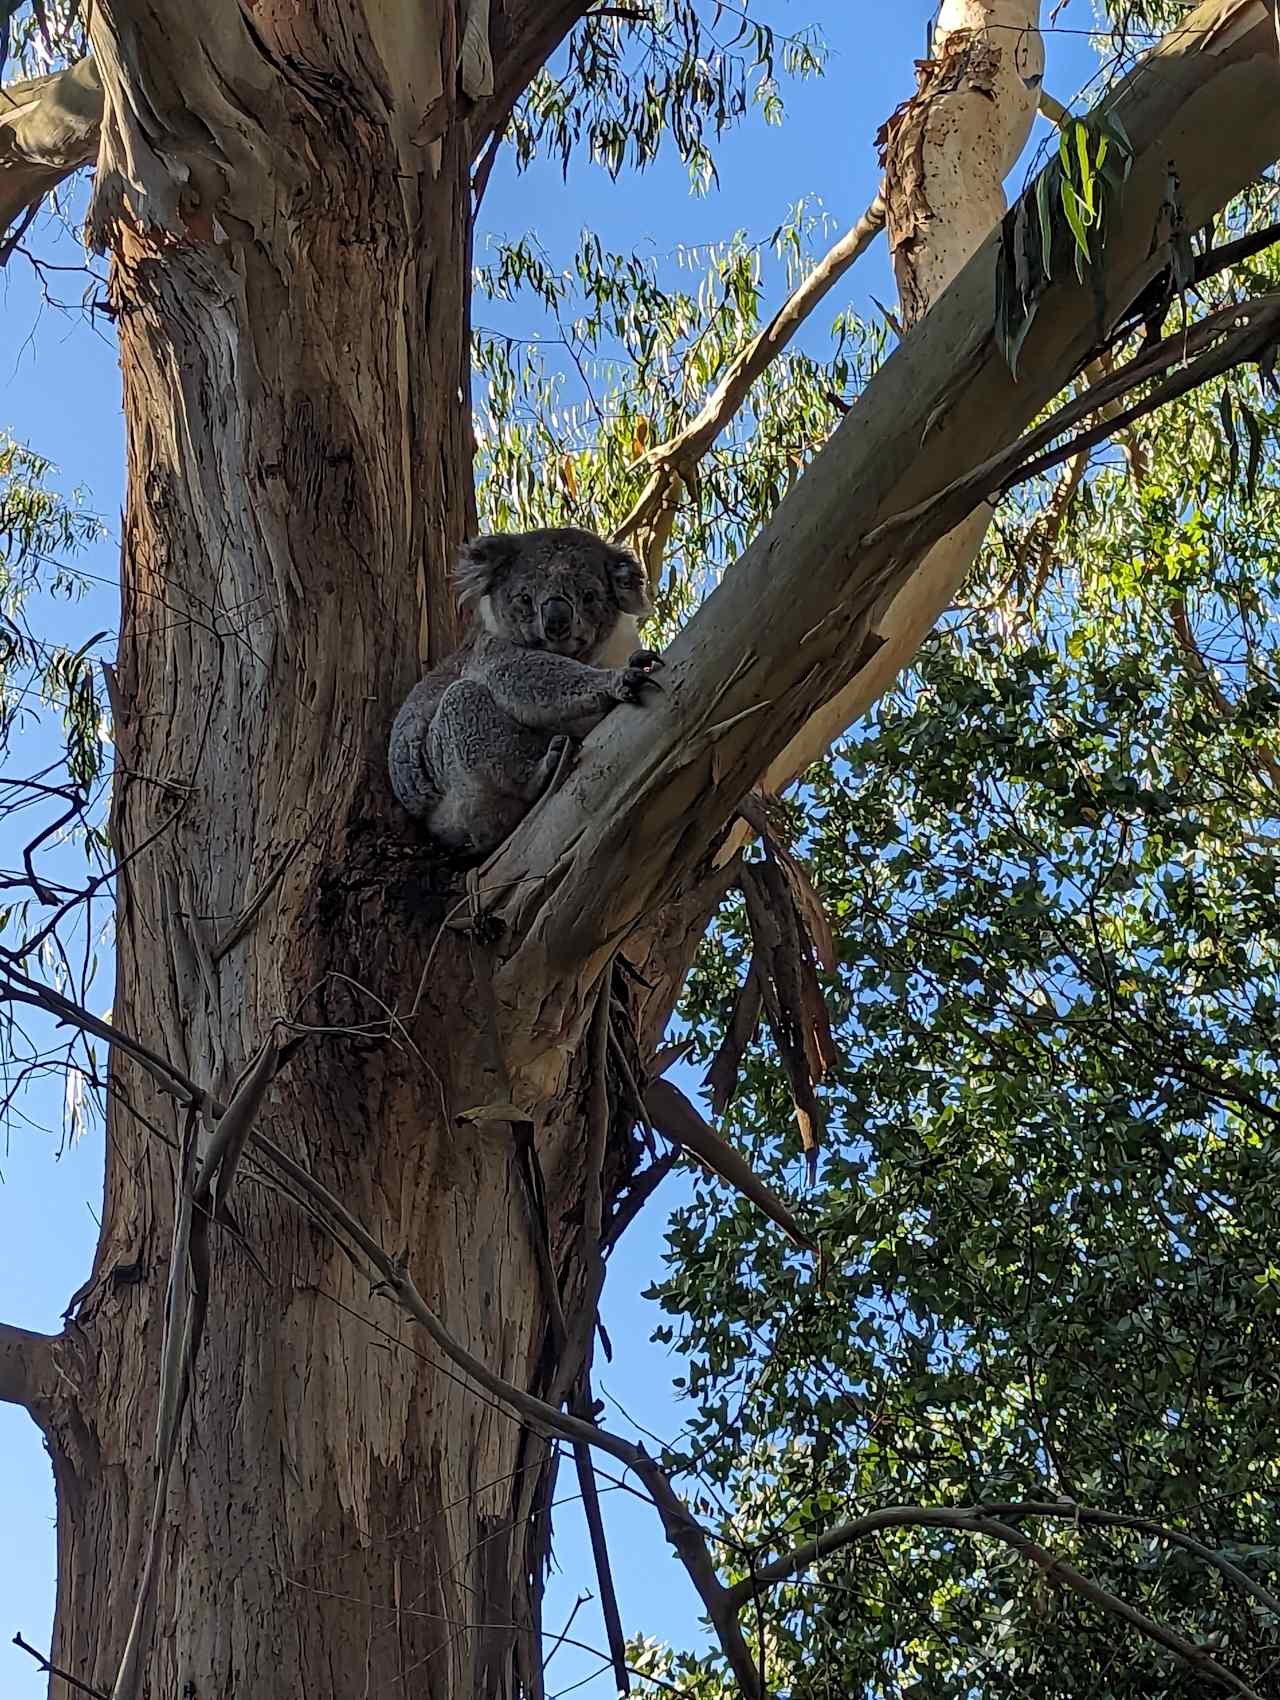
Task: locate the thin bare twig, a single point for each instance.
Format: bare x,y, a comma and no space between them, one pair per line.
600,1546
51,1669
674,461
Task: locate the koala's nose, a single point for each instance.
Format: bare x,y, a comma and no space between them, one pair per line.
557,617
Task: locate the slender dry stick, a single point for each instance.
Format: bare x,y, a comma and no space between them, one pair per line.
51,1669
1143,1526
17,987
679,455
600,1546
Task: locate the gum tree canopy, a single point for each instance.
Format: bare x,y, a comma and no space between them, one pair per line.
990,1407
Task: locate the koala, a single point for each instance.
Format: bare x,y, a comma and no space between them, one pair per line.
553,647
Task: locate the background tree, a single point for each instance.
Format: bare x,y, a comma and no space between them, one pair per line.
288,202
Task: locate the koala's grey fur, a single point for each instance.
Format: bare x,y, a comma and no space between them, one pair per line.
553,648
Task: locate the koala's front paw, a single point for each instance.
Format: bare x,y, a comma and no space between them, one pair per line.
627,684
645,661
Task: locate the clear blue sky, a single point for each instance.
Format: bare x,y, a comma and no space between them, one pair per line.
61,395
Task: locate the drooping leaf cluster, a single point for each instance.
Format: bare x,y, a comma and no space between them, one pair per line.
673,72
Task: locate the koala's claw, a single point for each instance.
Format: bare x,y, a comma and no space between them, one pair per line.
645,661
629,684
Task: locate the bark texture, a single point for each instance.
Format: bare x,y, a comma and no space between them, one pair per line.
291,275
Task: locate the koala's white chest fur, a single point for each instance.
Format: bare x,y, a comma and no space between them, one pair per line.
621,644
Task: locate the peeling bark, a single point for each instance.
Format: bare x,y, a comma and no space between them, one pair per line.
947,150
290,274
48,128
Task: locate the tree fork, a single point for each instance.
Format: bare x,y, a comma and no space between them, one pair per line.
788,629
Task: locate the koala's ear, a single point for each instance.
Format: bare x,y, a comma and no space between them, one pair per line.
630,585
479,564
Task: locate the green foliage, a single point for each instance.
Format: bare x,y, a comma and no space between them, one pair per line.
669,73
1071,197
52,788
1049,1198
38,532
628,349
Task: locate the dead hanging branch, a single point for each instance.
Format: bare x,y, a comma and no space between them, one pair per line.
676,1119
740,1030
777,965
790,936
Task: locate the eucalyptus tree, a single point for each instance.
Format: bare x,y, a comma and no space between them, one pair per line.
355,1095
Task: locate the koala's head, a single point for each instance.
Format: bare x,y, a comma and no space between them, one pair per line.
562,590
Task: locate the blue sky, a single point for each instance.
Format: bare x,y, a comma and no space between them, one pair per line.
61,395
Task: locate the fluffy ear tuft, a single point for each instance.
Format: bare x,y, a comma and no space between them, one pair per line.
630,585
479,564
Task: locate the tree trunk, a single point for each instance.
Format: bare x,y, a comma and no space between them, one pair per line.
345,1516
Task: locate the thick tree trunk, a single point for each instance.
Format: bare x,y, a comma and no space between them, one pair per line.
345,1516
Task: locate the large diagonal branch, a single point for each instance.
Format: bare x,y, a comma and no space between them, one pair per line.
974,103
48,129
786,631
909,612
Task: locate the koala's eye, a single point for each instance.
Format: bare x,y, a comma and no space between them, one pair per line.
523,601
589,598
